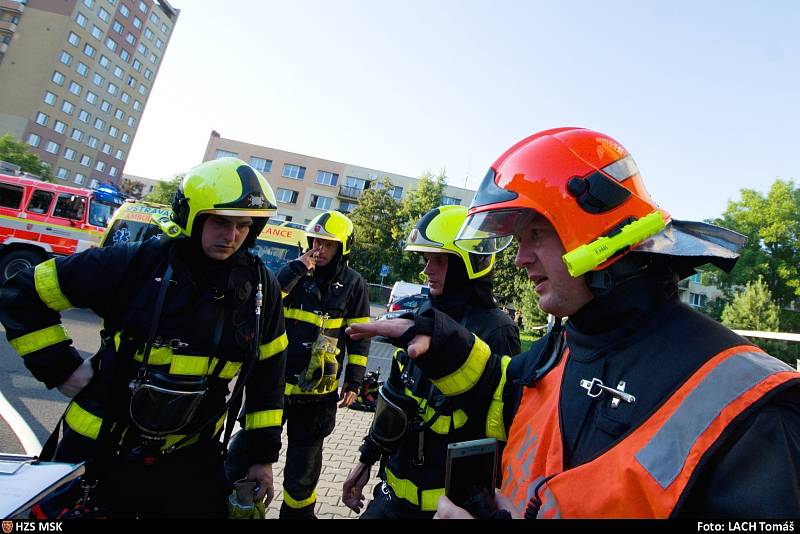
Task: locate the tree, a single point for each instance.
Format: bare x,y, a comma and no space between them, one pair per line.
131,188
374,221
18,153
165,190
752,309
511,286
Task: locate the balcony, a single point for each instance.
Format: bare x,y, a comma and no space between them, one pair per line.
9,5
345,191
7,26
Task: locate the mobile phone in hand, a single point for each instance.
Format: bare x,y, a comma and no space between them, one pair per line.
471,467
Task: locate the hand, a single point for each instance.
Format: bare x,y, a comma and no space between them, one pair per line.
78,380
347,397
352,489
310,258
445,509
392,328
262,473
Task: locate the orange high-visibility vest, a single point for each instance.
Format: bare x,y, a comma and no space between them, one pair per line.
645,473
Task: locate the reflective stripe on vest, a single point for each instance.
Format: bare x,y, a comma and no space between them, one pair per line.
82,421
645,474
357,359
184,364
464,378
272,348
45,277
313,318
406,489
39,339
175,438
296,504
356,320
263,419
495,425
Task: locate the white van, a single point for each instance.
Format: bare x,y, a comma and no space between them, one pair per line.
404,289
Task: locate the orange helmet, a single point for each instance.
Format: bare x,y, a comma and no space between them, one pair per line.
583,182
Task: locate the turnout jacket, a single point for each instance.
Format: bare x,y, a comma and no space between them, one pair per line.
121,284
344,299
477,413
714,430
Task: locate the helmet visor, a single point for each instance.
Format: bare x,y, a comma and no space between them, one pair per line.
490,232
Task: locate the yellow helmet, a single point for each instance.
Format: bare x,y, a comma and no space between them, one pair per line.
334,226
225,186
436,232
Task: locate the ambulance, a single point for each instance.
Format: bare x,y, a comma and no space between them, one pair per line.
39,220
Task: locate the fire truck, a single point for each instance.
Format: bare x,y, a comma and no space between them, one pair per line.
39,220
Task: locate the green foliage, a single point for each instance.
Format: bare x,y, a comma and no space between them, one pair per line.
374,221
165,190
18,153
131,188
753,309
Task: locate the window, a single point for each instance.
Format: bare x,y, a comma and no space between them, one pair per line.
148,74
42,119
697,299
112,89
62,173
142,89
91,97
148,33
261,164
131,122
97,33
131,81
79,178
60,127
142,49
77,135
85,160
10,196
49,98
92,142
451,201
154,19
73,39
225,154
287,196
89,50
82,69
142,7
57,78
119,154
124,55
137,65
164,27
130,38
80,18
67,107
34,139
69,154
111,44
84,116
396,192
124,11
126,138
696,278
159,43
117,27
293,171
40,201
107,149
104,61
347,207
105,106
137,106
103,14
327,178
97,80
112,171
119,114
137,23
100,166
94,183
75,88
321,203
88,3
99,124
118,71
65,58
113,131
153,59
51,147
358,183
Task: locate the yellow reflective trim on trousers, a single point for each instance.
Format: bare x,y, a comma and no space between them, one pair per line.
172,439
355,320
357,359
291,502
313,318
40,339
263,419
82,421
45,277
273,347
465,377
229,370
405,489
294,389
495,425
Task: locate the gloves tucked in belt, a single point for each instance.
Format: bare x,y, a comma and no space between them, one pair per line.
322,367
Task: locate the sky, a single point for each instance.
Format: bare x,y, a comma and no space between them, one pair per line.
705,95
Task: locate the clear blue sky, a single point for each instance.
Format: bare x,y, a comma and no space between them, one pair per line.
704,94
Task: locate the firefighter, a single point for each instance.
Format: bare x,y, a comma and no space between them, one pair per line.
322,296
181,318
413,468
639,406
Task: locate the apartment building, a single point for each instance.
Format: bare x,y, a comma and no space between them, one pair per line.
75,77
306,185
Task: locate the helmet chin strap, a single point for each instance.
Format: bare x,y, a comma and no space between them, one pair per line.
627,268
